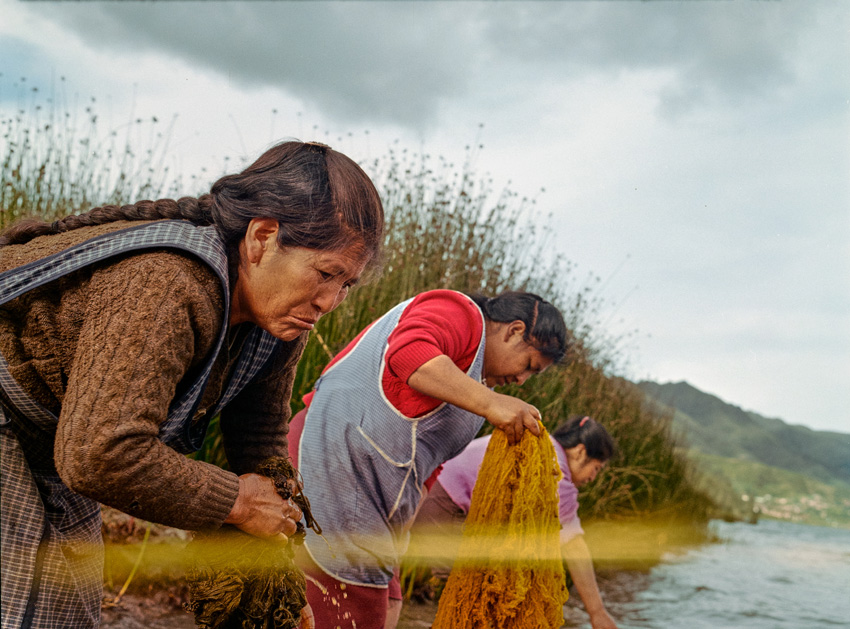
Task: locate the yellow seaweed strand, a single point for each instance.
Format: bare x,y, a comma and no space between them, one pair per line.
509,572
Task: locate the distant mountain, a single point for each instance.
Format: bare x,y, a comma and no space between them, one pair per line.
714,427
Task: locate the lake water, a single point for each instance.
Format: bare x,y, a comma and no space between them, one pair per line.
768,576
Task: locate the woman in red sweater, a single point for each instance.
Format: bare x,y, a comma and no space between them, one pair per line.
407,394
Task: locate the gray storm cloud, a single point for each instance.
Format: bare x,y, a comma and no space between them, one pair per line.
725,50
357,62
396,62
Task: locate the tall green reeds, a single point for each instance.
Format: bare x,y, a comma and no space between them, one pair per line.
57,162
446,228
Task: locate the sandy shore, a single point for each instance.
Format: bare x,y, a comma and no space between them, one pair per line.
157,612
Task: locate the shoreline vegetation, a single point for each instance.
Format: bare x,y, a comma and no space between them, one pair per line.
446,228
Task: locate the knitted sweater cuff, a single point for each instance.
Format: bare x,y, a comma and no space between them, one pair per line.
213,508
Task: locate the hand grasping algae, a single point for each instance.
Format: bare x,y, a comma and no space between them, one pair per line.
240,580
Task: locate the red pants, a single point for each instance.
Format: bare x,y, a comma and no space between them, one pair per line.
342,605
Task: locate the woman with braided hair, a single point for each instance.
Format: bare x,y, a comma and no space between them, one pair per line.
408,393
123,330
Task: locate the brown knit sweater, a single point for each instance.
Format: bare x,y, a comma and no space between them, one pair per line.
107,348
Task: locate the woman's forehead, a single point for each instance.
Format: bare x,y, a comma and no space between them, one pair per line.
351,260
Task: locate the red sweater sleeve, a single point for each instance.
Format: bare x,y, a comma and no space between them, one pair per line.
436,322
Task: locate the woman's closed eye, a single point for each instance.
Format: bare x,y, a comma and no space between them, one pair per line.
328,276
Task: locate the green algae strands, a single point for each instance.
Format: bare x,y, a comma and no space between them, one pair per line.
509,572
238,581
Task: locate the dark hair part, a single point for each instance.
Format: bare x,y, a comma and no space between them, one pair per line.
581,429
320,198
544,325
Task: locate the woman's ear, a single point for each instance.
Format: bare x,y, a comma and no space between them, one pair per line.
577,454
515,329
261,236
580,453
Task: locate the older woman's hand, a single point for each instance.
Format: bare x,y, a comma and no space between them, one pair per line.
259,510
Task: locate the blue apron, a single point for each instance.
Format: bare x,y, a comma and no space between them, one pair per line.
52,552
364,463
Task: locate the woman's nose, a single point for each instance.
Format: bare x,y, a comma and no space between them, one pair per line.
329,297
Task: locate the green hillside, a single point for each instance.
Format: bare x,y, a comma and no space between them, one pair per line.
711,426
748,461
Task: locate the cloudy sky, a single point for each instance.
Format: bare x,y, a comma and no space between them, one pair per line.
694,154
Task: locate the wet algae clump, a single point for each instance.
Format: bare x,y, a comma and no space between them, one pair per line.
238,581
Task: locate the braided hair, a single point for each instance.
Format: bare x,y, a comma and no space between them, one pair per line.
187,208
320,198
544,325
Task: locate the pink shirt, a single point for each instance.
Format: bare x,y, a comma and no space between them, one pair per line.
458,477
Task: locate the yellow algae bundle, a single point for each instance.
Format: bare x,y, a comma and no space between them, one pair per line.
509,571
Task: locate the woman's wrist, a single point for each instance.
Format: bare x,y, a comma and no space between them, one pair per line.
594,608
239,512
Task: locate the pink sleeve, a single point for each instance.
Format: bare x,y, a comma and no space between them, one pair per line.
460,473
567,498
570,530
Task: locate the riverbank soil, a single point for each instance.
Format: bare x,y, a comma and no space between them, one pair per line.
618,589
154,597
163,610
143,584
159,610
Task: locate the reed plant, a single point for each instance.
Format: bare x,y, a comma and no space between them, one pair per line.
57,160
446,228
